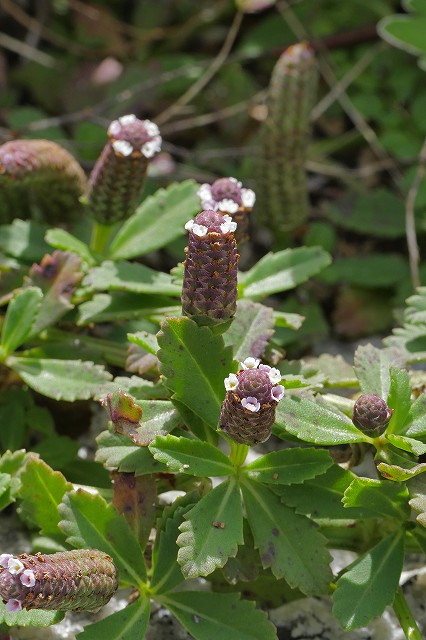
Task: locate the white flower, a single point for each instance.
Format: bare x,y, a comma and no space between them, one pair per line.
228,227
277,392
235,181
151,128
122,147
15,566
231,382
199,230
114,128
205,192
250,363
274,375
27,578
209,205
13,605
248,198
228,205
189,225
129,119
4,559
265,367
250,403
151,147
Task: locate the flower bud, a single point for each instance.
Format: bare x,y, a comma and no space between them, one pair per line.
248,410
209,293
39,176
228,196
68,580
117,179
371,415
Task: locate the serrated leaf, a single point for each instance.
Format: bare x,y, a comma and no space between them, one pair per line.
20,316
219,615
146,340
61,239
372,367
32,618
400,474
388,499
399,399
61,379
212,531
415,423
313,422
41,492
130,276
24,239
407,444
89,521
282,271
191,456
194,364
160,219
251,330
117,452
167,574
289,466
322,497
287,542
127,624
370,583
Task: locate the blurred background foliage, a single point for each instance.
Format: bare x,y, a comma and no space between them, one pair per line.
201,70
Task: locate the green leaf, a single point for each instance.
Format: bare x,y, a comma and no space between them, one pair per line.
251,330
337,372
167,574
160,219
20,316
322,497
146,340
194,363
61,379
61,239
399,399
417,488
191,456
120,305
367,271
415,423
405,32
282,271
130,276
314,422
407,444
127,624
117,452
370,583
212,531
288,320
24,240
32,618
41,492
372,367
388,499
13,426
89,521
398,473
287,542
289,466
219,615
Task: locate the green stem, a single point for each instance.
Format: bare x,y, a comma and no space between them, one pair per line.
405,617
101,234
238,453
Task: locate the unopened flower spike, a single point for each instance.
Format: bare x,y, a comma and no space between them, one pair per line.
232,200
371,415
40,176
209,293
117,179
248,410
68,580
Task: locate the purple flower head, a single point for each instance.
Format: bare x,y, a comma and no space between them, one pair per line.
133,137
226,195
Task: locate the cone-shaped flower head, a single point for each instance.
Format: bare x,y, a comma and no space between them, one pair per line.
228,196
39,175
117,179
209,292
79,579
248,411
371,415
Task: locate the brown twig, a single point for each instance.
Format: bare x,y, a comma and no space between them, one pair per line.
410,219
210,72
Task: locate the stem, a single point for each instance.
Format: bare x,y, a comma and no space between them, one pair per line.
101,234
238,453
405,617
